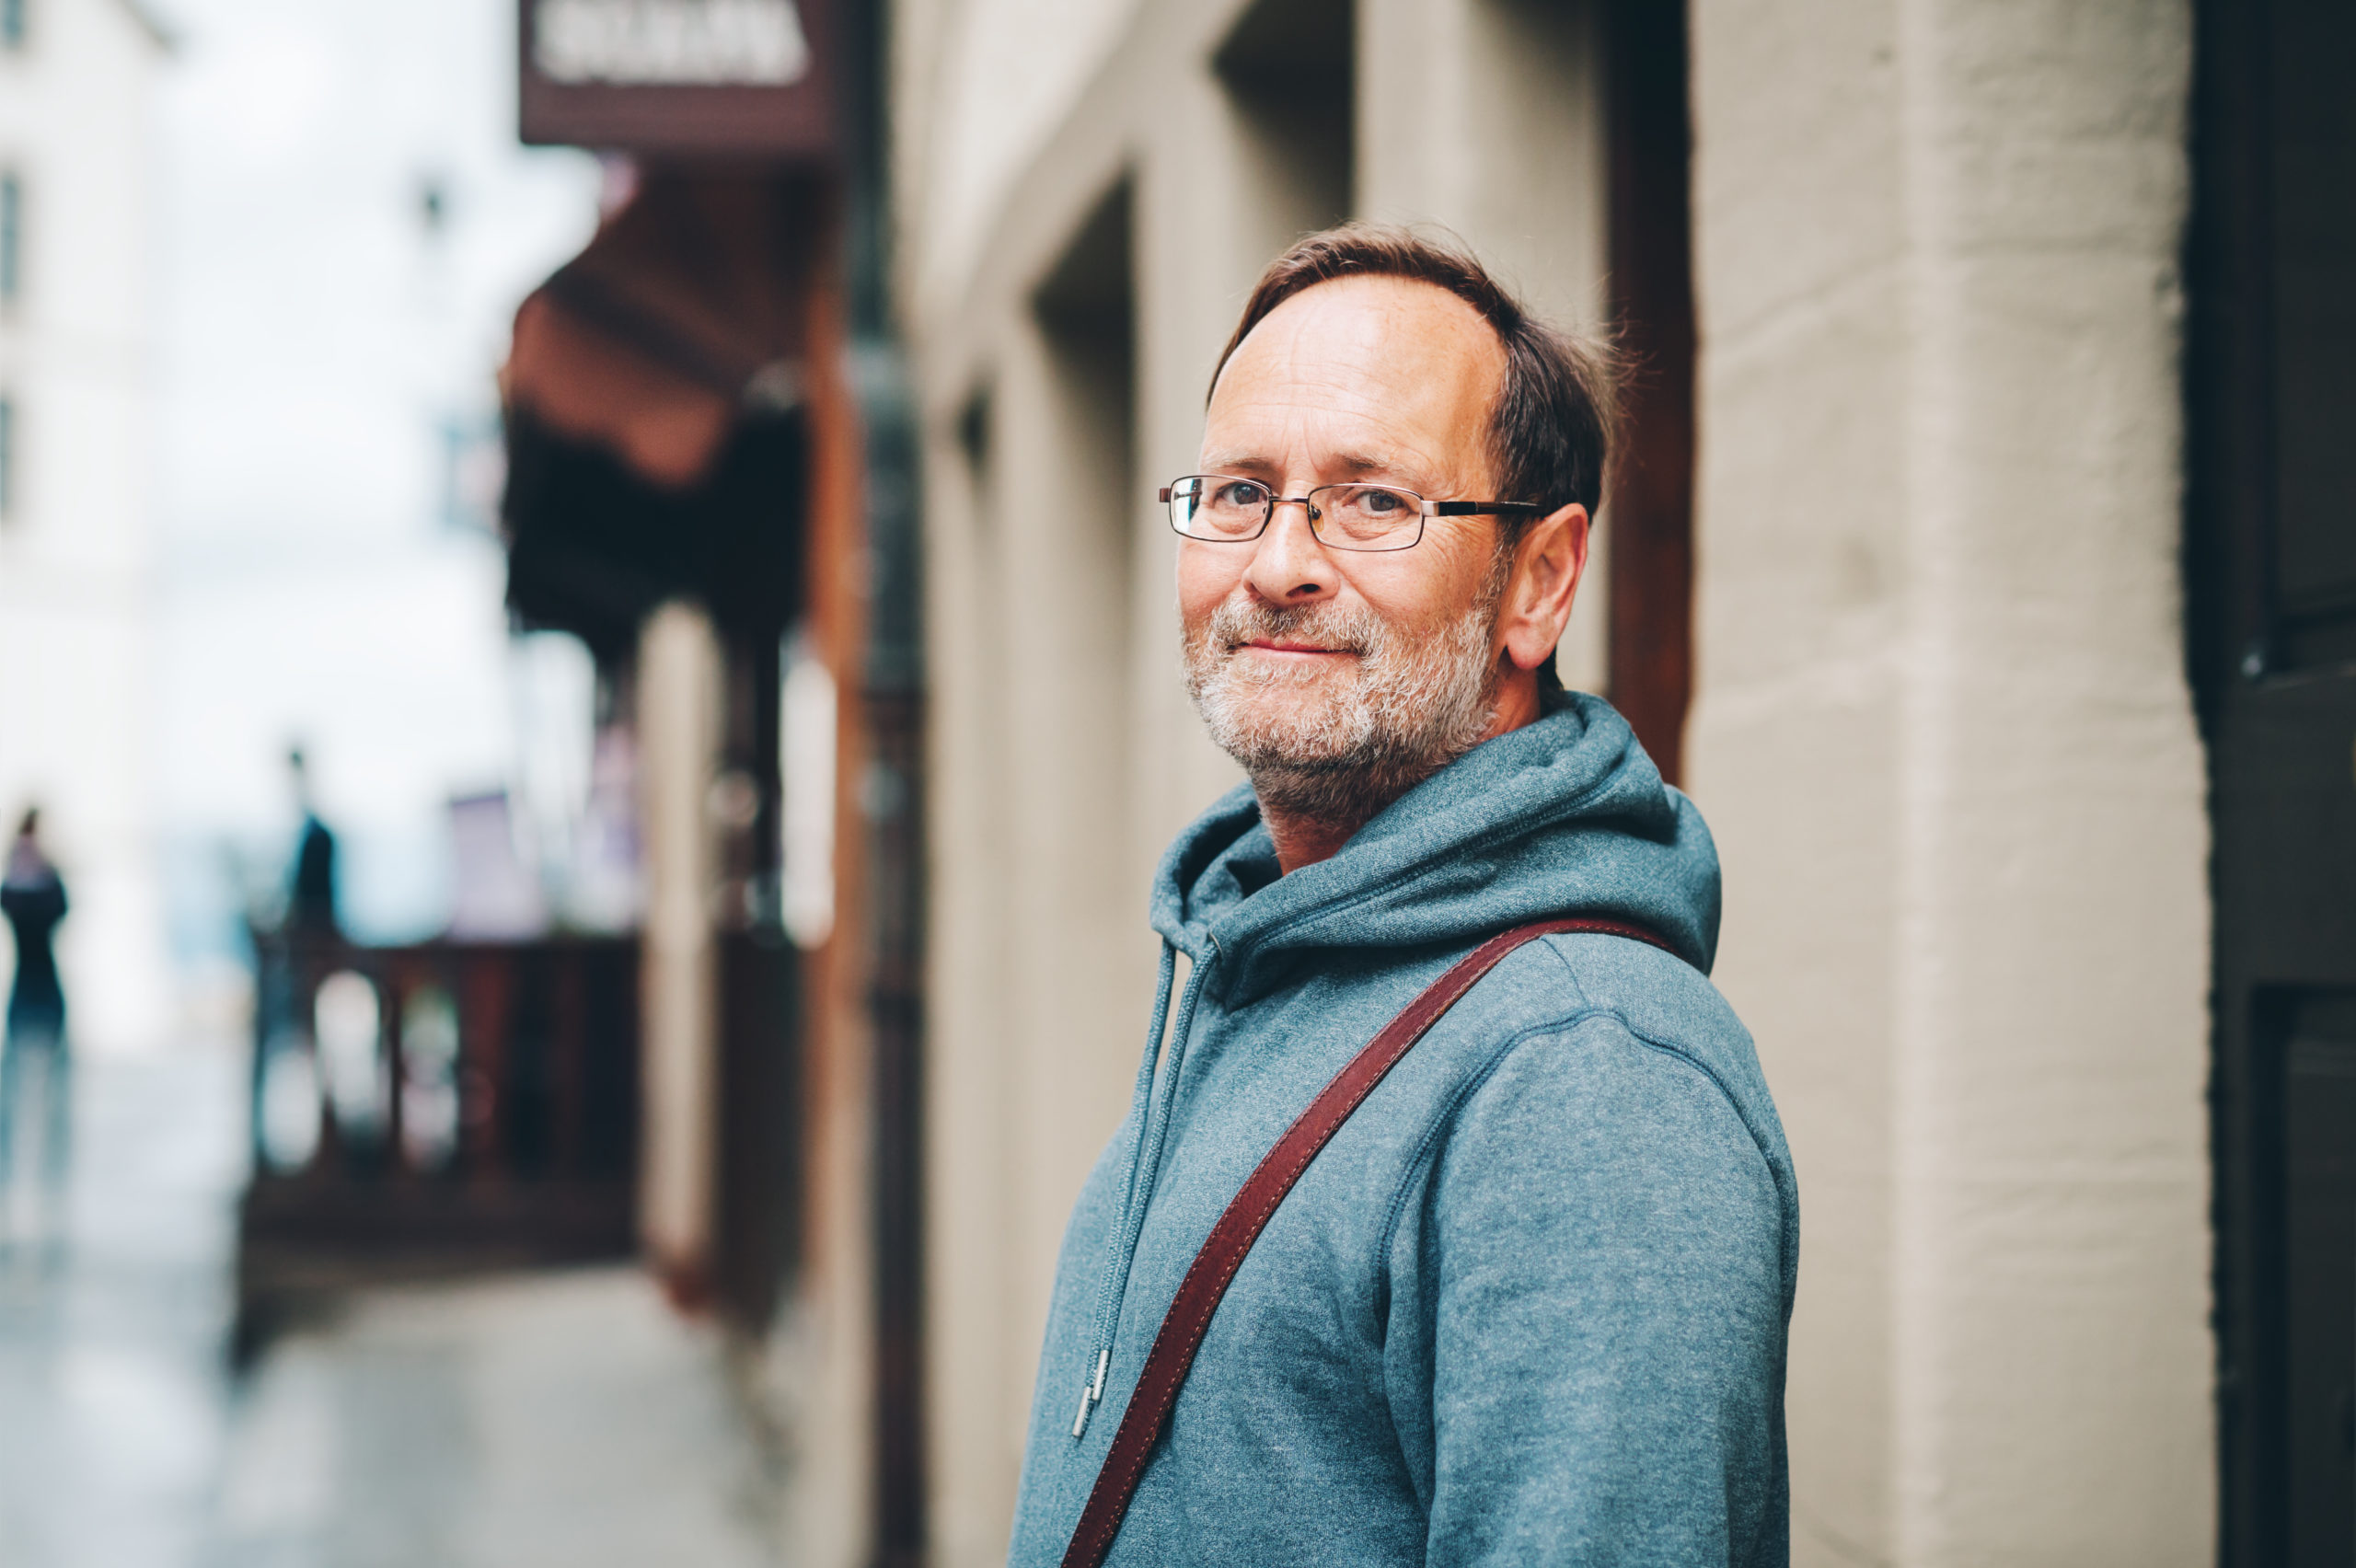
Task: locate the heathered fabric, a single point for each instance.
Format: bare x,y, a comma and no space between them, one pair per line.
1528,1306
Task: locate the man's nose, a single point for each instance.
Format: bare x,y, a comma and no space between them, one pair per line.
1289,566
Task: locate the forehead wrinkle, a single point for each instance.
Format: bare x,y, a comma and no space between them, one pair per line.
1370,319
1351,463
1282,434
1357,425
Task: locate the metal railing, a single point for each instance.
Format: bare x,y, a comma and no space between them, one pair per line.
435,1109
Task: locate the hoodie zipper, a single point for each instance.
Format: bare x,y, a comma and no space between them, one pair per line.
1152,1113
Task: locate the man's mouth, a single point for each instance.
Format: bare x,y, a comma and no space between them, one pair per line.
1291,647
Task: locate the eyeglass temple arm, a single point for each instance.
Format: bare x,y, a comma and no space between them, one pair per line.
1479,508
1446,508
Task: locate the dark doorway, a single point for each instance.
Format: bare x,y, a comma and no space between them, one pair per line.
1650,503
2271,565
1290,71
1086,307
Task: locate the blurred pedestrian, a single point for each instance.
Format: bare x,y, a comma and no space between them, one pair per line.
290,963
310,893
33,896
1392,1263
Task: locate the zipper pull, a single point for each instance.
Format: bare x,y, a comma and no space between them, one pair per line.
1092,1392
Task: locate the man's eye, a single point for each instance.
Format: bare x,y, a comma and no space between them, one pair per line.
1381,502
1240,494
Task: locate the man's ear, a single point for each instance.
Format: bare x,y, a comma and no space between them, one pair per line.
1547,567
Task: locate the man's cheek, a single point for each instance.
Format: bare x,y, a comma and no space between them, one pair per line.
1202,583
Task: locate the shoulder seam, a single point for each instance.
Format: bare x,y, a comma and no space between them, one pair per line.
1443,1125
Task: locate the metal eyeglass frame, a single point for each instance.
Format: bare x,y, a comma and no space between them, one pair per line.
1424,507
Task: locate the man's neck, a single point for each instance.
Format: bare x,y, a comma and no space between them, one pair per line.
1303,838
1305,833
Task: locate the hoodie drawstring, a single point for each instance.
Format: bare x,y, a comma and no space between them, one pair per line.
1152,1118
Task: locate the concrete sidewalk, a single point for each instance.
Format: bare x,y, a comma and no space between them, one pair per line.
114,1309
559,1418
562,1419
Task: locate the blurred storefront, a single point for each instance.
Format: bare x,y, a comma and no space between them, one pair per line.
660,432
710,484
2029,776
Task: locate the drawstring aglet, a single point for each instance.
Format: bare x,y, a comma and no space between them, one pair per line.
1092,1392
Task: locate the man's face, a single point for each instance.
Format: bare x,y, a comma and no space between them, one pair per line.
1319,662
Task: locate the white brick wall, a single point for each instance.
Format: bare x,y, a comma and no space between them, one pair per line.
1943,737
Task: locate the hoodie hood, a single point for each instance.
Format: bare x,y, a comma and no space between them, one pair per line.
1563,816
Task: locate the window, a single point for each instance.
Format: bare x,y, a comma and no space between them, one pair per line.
12,23
7,458
12,231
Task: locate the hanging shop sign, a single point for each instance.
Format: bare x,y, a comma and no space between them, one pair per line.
732,77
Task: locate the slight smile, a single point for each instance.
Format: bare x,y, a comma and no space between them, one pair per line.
1284,648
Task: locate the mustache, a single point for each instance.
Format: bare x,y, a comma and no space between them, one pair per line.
1239,620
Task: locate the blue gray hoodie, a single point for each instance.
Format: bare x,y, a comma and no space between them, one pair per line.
1528,1306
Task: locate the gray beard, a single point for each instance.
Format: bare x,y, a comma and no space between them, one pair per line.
1409,707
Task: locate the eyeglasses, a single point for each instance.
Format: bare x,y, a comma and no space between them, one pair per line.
1223,510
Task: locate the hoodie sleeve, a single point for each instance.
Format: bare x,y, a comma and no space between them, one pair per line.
1597,1272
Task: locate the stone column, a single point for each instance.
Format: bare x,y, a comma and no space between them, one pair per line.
678,714
1943,734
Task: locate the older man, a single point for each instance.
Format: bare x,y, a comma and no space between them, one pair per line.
1525,1301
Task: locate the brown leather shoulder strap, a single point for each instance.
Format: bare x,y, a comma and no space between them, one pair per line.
1189,1318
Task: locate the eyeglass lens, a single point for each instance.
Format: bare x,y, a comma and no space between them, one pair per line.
1359,517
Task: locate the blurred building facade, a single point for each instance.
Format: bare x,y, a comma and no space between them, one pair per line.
709,483
1893,582
77,79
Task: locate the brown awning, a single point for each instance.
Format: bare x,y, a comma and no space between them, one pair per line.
652,397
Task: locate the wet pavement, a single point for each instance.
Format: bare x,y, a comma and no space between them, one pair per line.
561,1418
114,1307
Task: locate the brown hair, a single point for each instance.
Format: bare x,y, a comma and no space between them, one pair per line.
1550,432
